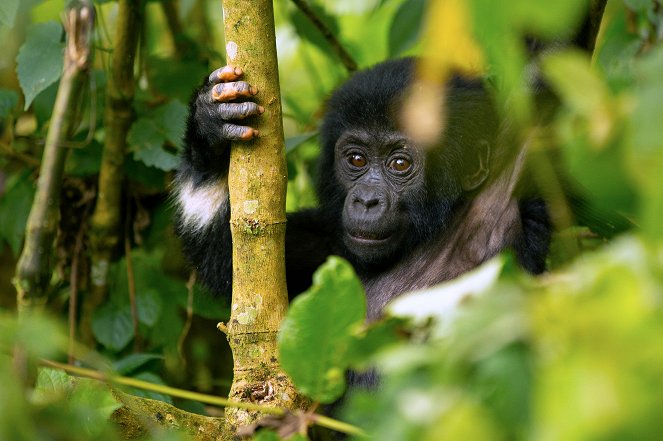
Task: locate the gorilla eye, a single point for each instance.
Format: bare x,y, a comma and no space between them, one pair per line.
400,164
357,160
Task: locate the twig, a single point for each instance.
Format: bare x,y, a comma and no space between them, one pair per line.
10,152
189,315
73,296
345,57
131,285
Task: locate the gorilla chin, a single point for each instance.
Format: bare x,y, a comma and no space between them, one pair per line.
371,249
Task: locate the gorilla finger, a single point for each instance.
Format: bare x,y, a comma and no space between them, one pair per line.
230,111
233,132
231,91
225,73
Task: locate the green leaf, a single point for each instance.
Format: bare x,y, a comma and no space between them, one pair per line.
295,141
113,326
315,336
406,26
171,118
150,132
94,403
8,100
52,384
40,59
308,31
133,362
148,304
8,9
374,338
15,207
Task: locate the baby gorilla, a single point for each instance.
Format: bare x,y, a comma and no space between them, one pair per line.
404,216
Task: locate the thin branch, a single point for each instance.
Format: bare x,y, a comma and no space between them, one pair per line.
320,420
73,289
8,151
189,315
345,57
131,282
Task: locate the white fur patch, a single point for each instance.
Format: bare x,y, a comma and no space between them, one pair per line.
199,205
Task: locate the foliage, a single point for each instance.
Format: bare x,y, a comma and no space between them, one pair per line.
571,355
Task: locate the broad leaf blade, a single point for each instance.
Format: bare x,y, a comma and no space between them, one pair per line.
40,59
317,332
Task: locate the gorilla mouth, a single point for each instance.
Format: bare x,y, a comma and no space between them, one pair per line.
368,237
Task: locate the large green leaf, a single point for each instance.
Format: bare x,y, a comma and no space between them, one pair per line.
52,384
317,332
94,403
149,133
40,59
113,327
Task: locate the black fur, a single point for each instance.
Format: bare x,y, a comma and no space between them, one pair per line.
425,208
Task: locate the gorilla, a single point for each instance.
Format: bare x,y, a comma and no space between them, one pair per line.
406,217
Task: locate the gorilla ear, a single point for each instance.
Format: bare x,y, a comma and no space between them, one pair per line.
474,180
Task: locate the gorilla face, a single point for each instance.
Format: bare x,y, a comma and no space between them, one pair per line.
382,177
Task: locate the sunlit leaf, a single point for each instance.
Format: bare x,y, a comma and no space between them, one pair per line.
315,335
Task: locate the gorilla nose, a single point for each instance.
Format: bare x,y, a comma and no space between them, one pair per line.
368,201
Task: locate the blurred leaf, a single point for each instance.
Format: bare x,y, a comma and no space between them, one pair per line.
406,26
133,362
639,5
587,93
40,59
171,118
8,9
174,78
315,335
373,338
148,135
146,140
148,304
308,31
293,142
112,326
94,403
51,385
537,16
8,100
15,207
